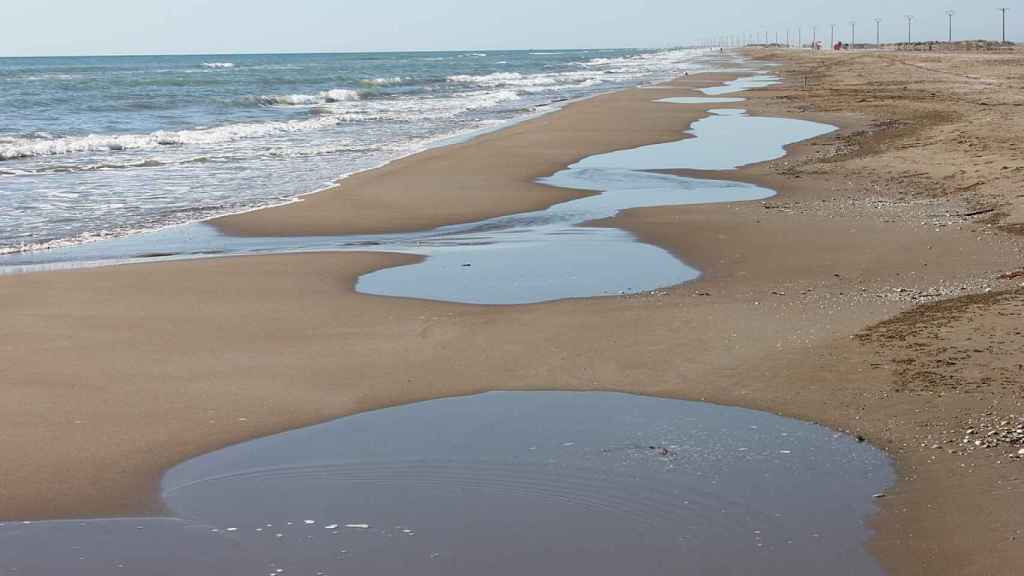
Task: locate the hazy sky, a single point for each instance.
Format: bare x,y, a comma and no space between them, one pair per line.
48,27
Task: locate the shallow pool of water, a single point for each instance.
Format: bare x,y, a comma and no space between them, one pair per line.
500,483
743,84
726,140
700,100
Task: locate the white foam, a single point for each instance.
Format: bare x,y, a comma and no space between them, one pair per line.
487,79
532,82
384,81
325,97
219,64
26,148
341,105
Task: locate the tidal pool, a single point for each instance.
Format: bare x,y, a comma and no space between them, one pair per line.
499,483
726,140
743,84
700,100
523,258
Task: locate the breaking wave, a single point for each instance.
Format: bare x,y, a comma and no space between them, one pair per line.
385,81
25,148
530,83
219,64
325,97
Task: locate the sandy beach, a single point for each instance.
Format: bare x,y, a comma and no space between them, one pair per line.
879,293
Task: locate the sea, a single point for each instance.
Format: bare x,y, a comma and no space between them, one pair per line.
102,147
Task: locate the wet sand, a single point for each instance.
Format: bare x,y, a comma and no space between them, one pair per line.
115,374
442,186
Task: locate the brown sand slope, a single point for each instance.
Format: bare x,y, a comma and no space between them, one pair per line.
115,374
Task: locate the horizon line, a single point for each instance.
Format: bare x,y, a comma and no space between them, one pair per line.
328,52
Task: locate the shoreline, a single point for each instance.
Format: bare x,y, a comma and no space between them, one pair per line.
416,192
756,330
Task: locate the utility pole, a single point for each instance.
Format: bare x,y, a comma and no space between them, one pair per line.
1003,10
910,20
853,34
800,37
833,36
814,37
878,32
788,43
949,16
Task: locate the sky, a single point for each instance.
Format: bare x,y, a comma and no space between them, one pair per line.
77,27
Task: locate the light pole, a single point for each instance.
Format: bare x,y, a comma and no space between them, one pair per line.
949,16
910,20
1003,10
853,34
814,37
878,32
833,36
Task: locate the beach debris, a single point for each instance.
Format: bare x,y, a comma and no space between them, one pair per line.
975,212
661,451
880,495
984,432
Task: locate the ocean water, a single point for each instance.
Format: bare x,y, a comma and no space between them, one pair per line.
97,147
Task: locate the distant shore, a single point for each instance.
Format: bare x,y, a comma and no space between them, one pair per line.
115,374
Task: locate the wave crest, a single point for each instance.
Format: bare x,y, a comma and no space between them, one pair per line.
325,97
384,81
26,148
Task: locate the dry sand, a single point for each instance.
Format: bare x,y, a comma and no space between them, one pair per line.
810,306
